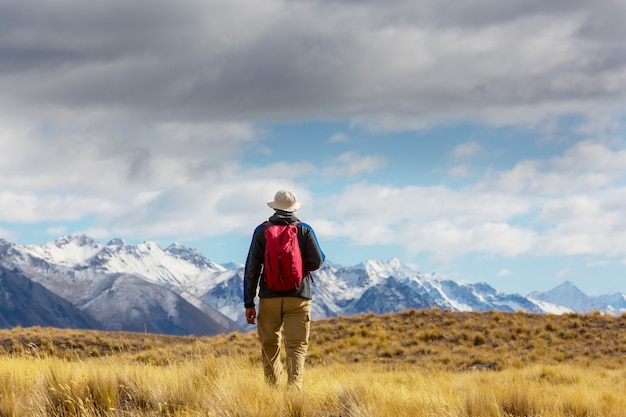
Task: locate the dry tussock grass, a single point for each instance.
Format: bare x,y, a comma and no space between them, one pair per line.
458,341
406,364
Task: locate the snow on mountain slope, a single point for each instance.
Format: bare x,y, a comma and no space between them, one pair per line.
329,292
79,270
226,294
549,307
357,279
184,282
612,303
569,296
565,294
175,266
65,251
127,302
390,295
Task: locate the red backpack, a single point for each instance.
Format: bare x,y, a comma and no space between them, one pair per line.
283,267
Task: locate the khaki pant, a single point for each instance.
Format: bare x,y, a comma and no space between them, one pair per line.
293,316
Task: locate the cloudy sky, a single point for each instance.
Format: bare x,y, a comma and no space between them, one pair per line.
482,140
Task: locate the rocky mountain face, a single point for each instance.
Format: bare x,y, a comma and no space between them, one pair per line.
79,282
25,303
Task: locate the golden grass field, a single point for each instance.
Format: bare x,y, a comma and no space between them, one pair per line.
414,363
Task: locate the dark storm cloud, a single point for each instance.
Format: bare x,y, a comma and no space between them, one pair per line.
279,60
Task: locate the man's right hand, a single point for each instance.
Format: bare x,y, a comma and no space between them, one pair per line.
251,315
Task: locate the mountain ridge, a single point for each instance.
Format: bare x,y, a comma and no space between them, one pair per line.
570,296
160,286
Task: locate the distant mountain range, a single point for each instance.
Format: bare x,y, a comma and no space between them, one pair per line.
77,282
569,296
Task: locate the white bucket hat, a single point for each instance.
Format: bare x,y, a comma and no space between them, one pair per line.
285,200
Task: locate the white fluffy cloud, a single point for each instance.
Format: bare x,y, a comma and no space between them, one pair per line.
466,149
570,205
351,165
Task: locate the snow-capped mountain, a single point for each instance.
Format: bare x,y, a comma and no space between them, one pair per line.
176,290
569,296
124,287
389,287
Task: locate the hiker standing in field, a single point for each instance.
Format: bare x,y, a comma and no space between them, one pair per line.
283,252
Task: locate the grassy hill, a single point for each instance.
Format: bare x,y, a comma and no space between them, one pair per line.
437,363
429,338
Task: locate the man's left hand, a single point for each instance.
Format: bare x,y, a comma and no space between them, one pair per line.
251,315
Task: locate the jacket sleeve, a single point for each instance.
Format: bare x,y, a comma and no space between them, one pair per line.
313,256
254,267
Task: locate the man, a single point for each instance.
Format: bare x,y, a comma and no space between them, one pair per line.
290,309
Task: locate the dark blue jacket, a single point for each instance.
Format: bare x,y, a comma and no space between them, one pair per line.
312,259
